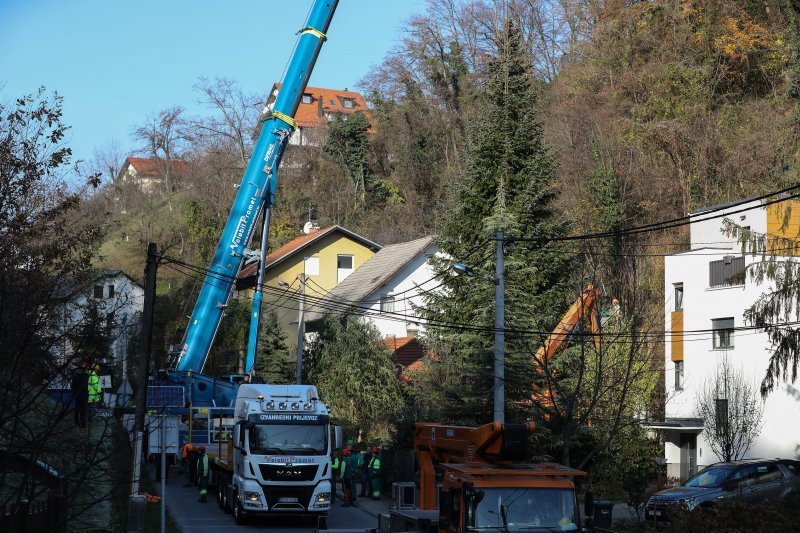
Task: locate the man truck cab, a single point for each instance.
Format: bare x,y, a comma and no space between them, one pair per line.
281,453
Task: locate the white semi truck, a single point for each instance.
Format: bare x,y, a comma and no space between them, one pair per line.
280,458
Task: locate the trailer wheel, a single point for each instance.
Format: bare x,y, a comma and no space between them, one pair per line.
239,516
220,494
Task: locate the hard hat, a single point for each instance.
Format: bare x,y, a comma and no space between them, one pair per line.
96,367
346,452
84,365
375,449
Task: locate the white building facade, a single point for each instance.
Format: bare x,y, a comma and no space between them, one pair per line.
388,288
706,295
112,302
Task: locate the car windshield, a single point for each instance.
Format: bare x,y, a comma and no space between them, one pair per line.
523,509
710,477
286,439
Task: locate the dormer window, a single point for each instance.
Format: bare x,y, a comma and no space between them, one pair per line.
348,103
307,98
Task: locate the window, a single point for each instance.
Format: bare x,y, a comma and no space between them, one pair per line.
344,267
109,322
98,291
678,296
678,375
348,103
110,291
387,304
723,333
307,98
726,272
768,473
721,416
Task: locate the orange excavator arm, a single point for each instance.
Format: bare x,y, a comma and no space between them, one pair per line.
584,305
494,443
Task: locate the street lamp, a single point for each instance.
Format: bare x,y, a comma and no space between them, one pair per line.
499,323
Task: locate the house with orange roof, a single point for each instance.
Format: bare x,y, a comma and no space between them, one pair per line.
318,107
322,257
149,173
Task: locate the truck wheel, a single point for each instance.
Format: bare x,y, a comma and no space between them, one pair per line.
226,499
220,494
239,515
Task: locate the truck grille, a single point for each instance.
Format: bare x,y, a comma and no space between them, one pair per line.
288,498
289,473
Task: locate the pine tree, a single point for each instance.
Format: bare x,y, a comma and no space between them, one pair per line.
509,185
272,357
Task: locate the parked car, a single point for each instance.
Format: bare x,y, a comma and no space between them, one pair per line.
752,480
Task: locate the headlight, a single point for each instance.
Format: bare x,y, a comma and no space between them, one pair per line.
688,503
323,497
282,406
295,406
252,496
308,406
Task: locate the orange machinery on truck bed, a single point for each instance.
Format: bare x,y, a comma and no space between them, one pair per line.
482,489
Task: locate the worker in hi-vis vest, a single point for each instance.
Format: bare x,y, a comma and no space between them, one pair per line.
336,465
374,471
202,473
94,390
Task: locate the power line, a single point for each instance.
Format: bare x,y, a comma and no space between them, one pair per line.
671,223
355,310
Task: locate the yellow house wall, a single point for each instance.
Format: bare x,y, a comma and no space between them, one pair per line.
286,304
778,214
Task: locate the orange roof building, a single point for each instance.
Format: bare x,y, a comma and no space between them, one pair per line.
323,257
149,173
318,107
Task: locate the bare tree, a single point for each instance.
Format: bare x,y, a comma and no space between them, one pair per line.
732,411
163,136
230,129
107,161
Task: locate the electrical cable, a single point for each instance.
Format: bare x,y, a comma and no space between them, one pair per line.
671,223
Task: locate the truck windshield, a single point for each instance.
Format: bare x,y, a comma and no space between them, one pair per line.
523,509
287,439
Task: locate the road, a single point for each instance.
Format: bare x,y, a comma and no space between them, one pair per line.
195,517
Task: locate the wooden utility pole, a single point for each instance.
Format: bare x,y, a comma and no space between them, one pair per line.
144,361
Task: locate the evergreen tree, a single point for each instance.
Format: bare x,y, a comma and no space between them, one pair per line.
508,184
353,369
272,357
348,144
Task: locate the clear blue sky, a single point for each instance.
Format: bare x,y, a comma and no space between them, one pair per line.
116,61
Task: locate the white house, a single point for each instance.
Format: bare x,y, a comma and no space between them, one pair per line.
113,302
706,294
387,288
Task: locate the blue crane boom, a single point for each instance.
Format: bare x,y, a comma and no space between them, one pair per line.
256,193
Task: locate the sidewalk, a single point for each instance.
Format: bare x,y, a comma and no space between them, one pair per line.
368,505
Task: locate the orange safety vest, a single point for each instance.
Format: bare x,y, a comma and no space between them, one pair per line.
186,449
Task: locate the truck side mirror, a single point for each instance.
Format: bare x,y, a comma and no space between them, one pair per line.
588,503
237,428
337,437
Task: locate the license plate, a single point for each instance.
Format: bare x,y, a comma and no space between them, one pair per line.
287,500
656,513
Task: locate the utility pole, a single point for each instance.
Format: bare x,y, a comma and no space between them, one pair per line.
499,335
136,502
301,331
144,360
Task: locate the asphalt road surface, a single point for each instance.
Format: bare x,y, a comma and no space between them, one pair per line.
195,517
